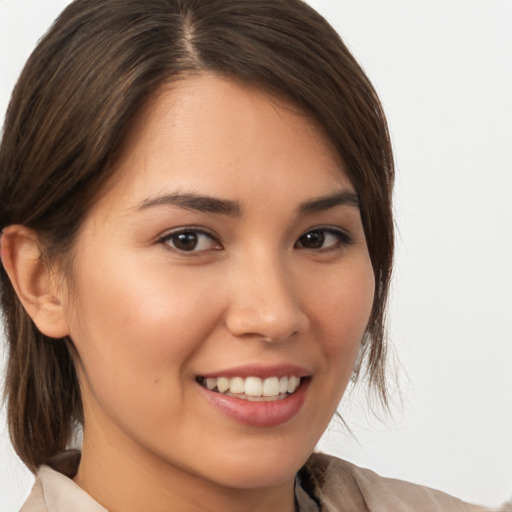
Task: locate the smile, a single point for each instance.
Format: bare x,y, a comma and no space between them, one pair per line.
253,389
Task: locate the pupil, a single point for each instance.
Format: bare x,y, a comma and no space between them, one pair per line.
186,241
313,240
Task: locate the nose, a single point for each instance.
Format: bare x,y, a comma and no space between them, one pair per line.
263,301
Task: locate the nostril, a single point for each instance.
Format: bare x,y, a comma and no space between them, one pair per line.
259,328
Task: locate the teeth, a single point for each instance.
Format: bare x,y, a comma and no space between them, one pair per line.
222,384
237,385
293,383
271,387
253,387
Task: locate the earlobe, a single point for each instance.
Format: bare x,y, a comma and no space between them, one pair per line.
32,280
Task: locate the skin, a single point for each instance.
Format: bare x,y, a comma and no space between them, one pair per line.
147,319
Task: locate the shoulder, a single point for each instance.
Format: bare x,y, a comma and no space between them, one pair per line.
55,492
35,500
341,486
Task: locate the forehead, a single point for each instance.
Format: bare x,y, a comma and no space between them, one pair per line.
205,134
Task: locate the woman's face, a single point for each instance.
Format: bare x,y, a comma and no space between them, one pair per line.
228,252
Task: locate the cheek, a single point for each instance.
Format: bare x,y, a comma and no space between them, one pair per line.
135,336
340,308
343,307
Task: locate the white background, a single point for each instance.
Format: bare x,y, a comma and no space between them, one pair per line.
443,69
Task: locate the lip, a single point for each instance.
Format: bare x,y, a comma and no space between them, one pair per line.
259,414
263,372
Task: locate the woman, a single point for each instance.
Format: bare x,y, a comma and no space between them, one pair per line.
197,244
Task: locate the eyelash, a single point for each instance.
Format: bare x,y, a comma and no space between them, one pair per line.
342,239
316,235
198,233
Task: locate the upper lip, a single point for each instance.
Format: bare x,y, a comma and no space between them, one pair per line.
261,371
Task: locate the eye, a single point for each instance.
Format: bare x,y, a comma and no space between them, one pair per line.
191,240
323,239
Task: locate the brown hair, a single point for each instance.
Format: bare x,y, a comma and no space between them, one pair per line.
75,101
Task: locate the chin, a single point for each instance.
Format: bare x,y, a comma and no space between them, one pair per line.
267,469
257,478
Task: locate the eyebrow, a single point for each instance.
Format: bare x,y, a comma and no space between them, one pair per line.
345,197
208,204
195,202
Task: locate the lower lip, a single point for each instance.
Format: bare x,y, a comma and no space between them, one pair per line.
259,414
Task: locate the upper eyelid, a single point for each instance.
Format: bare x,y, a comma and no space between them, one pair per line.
165,240
196,229
345,236
327,227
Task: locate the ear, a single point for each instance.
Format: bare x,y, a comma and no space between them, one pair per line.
32,280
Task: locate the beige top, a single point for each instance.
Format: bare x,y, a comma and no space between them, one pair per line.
325,484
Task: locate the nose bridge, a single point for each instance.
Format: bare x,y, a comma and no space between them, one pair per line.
263,302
